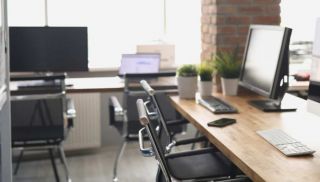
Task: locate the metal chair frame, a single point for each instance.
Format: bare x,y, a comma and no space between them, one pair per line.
119,113
53,145
157,151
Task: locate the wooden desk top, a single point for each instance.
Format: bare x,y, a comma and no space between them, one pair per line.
109,84
94,84
116,84
251,153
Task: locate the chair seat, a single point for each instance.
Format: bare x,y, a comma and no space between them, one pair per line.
199,164
37,133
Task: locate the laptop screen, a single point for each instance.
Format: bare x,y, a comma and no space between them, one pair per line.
139,63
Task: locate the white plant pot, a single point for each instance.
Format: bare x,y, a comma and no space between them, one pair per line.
205,88
187,87
229,86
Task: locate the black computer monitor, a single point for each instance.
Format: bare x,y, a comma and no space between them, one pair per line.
265,67
48,49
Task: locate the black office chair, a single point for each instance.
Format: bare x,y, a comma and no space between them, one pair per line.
196,165
41,117
125,117
167,137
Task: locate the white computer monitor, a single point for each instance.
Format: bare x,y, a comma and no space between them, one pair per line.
139,63
313,103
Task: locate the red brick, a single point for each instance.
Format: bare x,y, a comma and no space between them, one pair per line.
231,40
214,39
234,1
212,29
238,20
212,9
205,10
206,2
205,19
227,9
225,48
272,10
205,46
220,20
206,54
243,30
206,38
250,10
226,29
228,22
267,1
273,20
204,28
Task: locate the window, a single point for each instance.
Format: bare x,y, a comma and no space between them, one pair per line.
116,27
301,17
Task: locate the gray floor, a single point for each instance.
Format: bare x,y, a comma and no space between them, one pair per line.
93,167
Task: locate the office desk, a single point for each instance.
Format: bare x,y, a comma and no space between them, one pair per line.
116,84
252,154
111,84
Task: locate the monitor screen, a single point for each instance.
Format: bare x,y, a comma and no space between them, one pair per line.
261,58
139,63
53,49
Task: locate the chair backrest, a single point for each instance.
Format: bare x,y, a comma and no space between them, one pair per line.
153,137
38,112
155,98
131,93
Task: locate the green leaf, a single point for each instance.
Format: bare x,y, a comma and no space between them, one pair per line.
187,70
205,71
227,64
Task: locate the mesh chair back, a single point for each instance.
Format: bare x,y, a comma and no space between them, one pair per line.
132,113
38,110
37,119
165,112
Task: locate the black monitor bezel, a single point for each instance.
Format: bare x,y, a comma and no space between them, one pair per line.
56,70
282,66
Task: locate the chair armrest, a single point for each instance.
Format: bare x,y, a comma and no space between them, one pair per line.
71,112
114,102
177,122
185,142
117,113
191,140
146,152
191,152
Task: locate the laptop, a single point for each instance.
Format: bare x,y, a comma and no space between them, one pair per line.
139,63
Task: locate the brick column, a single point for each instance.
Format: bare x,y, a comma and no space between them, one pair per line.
225,22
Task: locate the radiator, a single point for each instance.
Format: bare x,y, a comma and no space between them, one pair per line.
86,132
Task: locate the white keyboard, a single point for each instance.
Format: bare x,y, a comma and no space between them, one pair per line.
286,144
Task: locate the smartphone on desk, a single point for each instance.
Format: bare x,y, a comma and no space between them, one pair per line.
222,122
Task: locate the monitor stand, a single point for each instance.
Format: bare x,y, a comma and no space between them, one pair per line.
270,106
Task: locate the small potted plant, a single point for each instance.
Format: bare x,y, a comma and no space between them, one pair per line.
205,71
227,66
187,81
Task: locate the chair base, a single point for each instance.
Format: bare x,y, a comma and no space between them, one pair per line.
118,157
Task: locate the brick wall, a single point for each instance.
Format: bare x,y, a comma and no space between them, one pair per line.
225,22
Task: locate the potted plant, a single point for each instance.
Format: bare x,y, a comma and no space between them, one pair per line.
187,81
205,71
227,66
